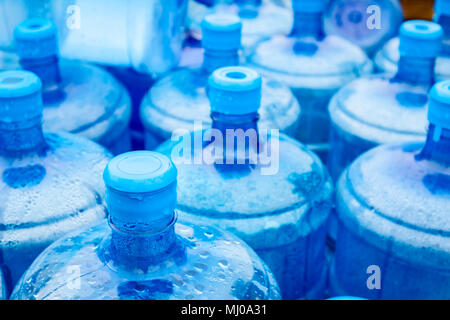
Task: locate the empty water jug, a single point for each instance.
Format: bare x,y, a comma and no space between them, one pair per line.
314,65
50,182
394,226
386,108
78,98
367,23
143,34
144,253
179,99
387,58
261,185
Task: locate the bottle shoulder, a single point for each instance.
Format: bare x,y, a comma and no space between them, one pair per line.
92,101
211,265
307,62
290,179
381,110
180,98
53,188
398,201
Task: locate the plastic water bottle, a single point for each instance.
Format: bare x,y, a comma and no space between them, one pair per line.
176,101
143,34
261,19
367,23
392,202
366,112
387,58
50,183
263,186
144,253
78,98
315,66
8,61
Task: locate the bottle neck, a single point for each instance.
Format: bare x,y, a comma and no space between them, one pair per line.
140,250
142,225
240,139
248,2
21,138
416,71
47,69
437,146
214,59
308,25
444,21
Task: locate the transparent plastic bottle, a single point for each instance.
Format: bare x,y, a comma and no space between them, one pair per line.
394,226
50,183
78,98
266,188
366,112
143,34
366,23
179,99
314,66
261,19
387,58
143,253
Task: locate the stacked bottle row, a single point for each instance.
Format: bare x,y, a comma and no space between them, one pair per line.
273,193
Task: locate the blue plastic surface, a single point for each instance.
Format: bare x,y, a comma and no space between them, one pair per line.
260,19
392,204
50,183
308,6
140,257
314,66
179,99
279,206
383,108
78,98
387,58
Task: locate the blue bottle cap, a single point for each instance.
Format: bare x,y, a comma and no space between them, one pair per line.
141,191
439,105
221,32
442,7
420,39
311,6
139,172
36,38
20,96
235,91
